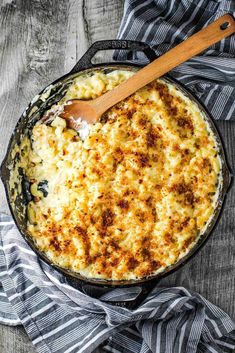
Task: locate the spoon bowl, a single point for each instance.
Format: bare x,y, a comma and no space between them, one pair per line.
76,110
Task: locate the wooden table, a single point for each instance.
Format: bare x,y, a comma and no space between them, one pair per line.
42,40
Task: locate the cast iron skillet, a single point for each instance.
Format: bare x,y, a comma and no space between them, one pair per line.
35,110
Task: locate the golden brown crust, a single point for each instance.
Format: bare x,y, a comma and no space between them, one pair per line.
134,196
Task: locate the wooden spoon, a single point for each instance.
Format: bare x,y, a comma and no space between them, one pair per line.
92,110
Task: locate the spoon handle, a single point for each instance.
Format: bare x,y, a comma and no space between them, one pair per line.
219,29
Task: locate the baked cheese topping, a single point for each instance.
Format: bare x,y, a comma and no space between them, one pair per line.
134,195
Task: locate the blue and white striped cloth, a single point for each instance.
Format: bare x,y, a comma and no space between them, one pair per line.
163,24
60,319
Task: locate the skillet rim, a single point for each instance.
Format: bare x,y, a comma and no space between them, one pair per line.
226,183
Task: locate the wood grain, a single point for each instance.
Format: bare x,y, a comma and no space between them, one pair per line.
41,40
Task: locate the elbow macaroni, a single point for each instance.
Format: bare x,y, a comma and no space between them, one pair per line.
135,195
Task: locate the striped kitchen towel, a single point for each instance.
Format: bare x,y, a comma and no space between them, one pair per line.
163,24
60,319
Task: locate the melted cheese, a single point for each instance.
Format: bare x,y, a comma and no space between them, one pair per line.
135,195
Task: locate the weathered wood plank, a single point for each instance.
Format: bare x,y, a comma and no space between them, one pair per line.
14,340
41,40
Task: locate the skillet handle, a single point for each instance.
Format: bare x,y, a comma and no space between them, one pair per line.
146,288
131,45
129,304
